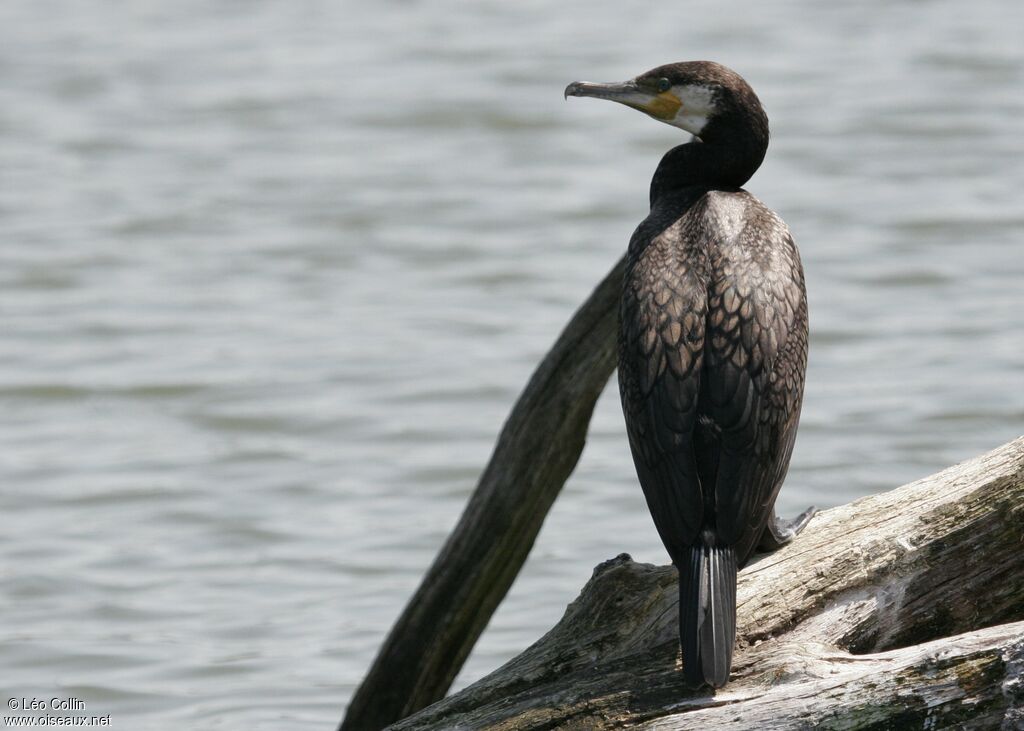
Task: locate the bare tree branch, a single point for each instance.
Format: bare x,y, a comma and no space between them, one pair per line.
885,613
537,450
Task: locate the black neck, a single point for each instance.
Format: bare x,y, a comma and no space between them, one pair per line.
722,160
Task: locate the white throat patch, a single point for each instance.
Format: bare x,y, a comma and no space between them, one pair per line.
698,104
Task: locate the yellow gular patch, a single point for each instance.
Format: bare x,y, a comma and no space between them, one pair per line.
664,106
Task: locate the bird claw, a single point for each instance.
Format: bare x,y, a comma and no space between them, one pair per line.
779,532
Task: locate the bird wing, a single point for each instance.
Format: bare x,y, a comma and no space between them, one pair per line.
661,344
754,376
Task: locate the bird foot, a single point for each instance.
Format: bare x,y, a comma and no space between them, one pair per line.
779,532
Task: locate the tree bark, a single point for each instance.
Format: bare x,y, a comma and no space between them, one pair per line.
899,610
537,450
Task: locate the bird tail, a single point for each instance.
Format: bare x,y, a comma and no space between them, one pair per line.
707,614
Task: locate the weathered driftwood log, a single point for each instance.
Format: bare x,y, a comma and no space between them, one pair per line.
900,610
537,450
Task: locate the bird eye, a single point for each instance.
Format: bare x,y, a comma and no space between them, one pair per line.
664,84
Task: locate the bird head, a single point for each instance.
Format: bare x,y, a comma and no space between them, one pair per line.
696,96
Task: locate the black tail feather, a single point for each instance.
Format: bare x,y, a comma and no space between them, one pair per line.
707,614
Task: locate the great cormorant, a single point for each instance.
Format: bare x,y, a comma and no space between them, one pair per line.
712,348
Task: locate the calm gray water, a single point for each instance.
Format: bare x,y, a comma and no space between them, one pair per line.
273,274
